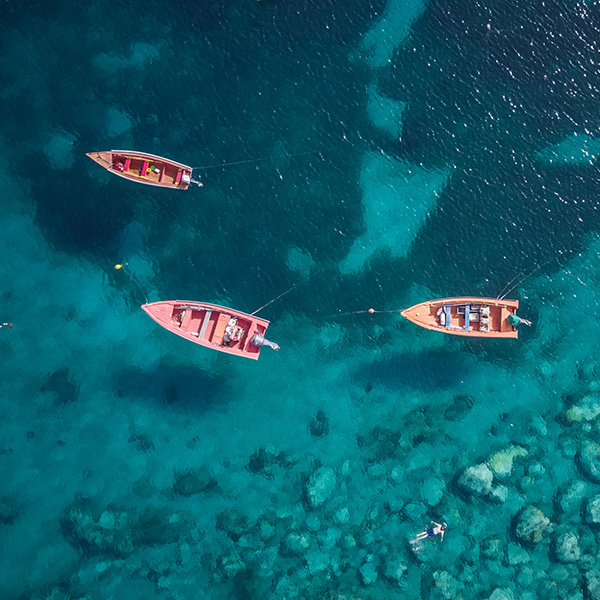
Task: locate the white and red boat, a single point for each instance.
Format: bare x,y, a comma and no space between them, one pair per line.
144,168
213,326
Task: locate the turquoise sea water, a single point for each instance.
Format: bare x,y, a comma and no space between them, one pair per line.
408,150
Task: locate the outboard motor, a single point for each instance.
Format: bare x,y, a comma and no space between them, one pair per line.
514,320
189,179
259,340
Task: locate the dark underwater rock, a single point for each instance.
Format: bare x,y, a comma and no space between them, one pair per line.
368,570
234,524
264,459
156,527
143,443
432,491
492,548
448,585
395,569
229,565
461,405
56,593
319,425
197,481
261,461
118,531
60,383
9,510
517,555
382,442
110,532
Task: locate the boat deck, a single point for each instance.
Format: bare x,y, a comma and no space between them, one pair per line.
159,173
210,325
479,317
144,168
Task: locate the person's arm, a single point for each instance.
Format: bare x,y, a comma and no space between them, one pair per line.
442,535
436,523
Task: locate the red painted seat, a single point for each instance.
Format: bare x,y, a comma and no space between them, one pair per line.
127,165
179,174
145,168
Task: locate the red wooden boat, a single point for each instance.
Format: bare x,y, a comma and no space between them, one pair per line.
213,326
144,168
472,317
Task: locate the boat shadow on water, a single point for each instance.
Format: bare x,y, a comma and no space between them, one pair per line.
186,388
428,371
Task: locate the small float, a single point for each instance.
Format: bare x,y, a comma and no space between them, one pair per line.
472,317
213,326
145,168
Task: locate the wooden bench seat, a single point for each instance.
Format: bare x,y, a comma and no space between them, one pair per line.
205,321
219,331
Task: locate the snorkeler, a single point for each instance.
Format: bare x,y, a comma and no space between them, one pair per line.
434,531
7,325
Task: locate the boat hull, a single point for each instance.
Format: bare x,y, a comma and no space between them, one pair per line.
210,325
145,168
467,316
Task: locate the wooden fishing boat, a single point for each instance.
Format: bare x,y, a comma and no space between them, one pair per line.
472,317
213,326
144,168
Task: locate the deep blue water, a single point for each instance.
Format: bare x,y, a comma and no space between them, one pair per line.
354,154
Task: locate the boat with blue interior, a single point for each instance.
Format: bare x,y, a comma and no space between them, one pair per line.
471,317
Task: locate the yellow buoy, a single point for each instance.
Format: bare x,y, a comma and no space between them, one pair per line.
118,267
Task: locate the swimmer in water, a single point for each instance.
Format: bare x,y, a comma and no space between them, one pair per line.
439,528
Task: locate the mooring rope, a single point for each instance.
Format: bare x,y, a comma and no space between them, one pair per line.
288,291
251,160
371,311
122,267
